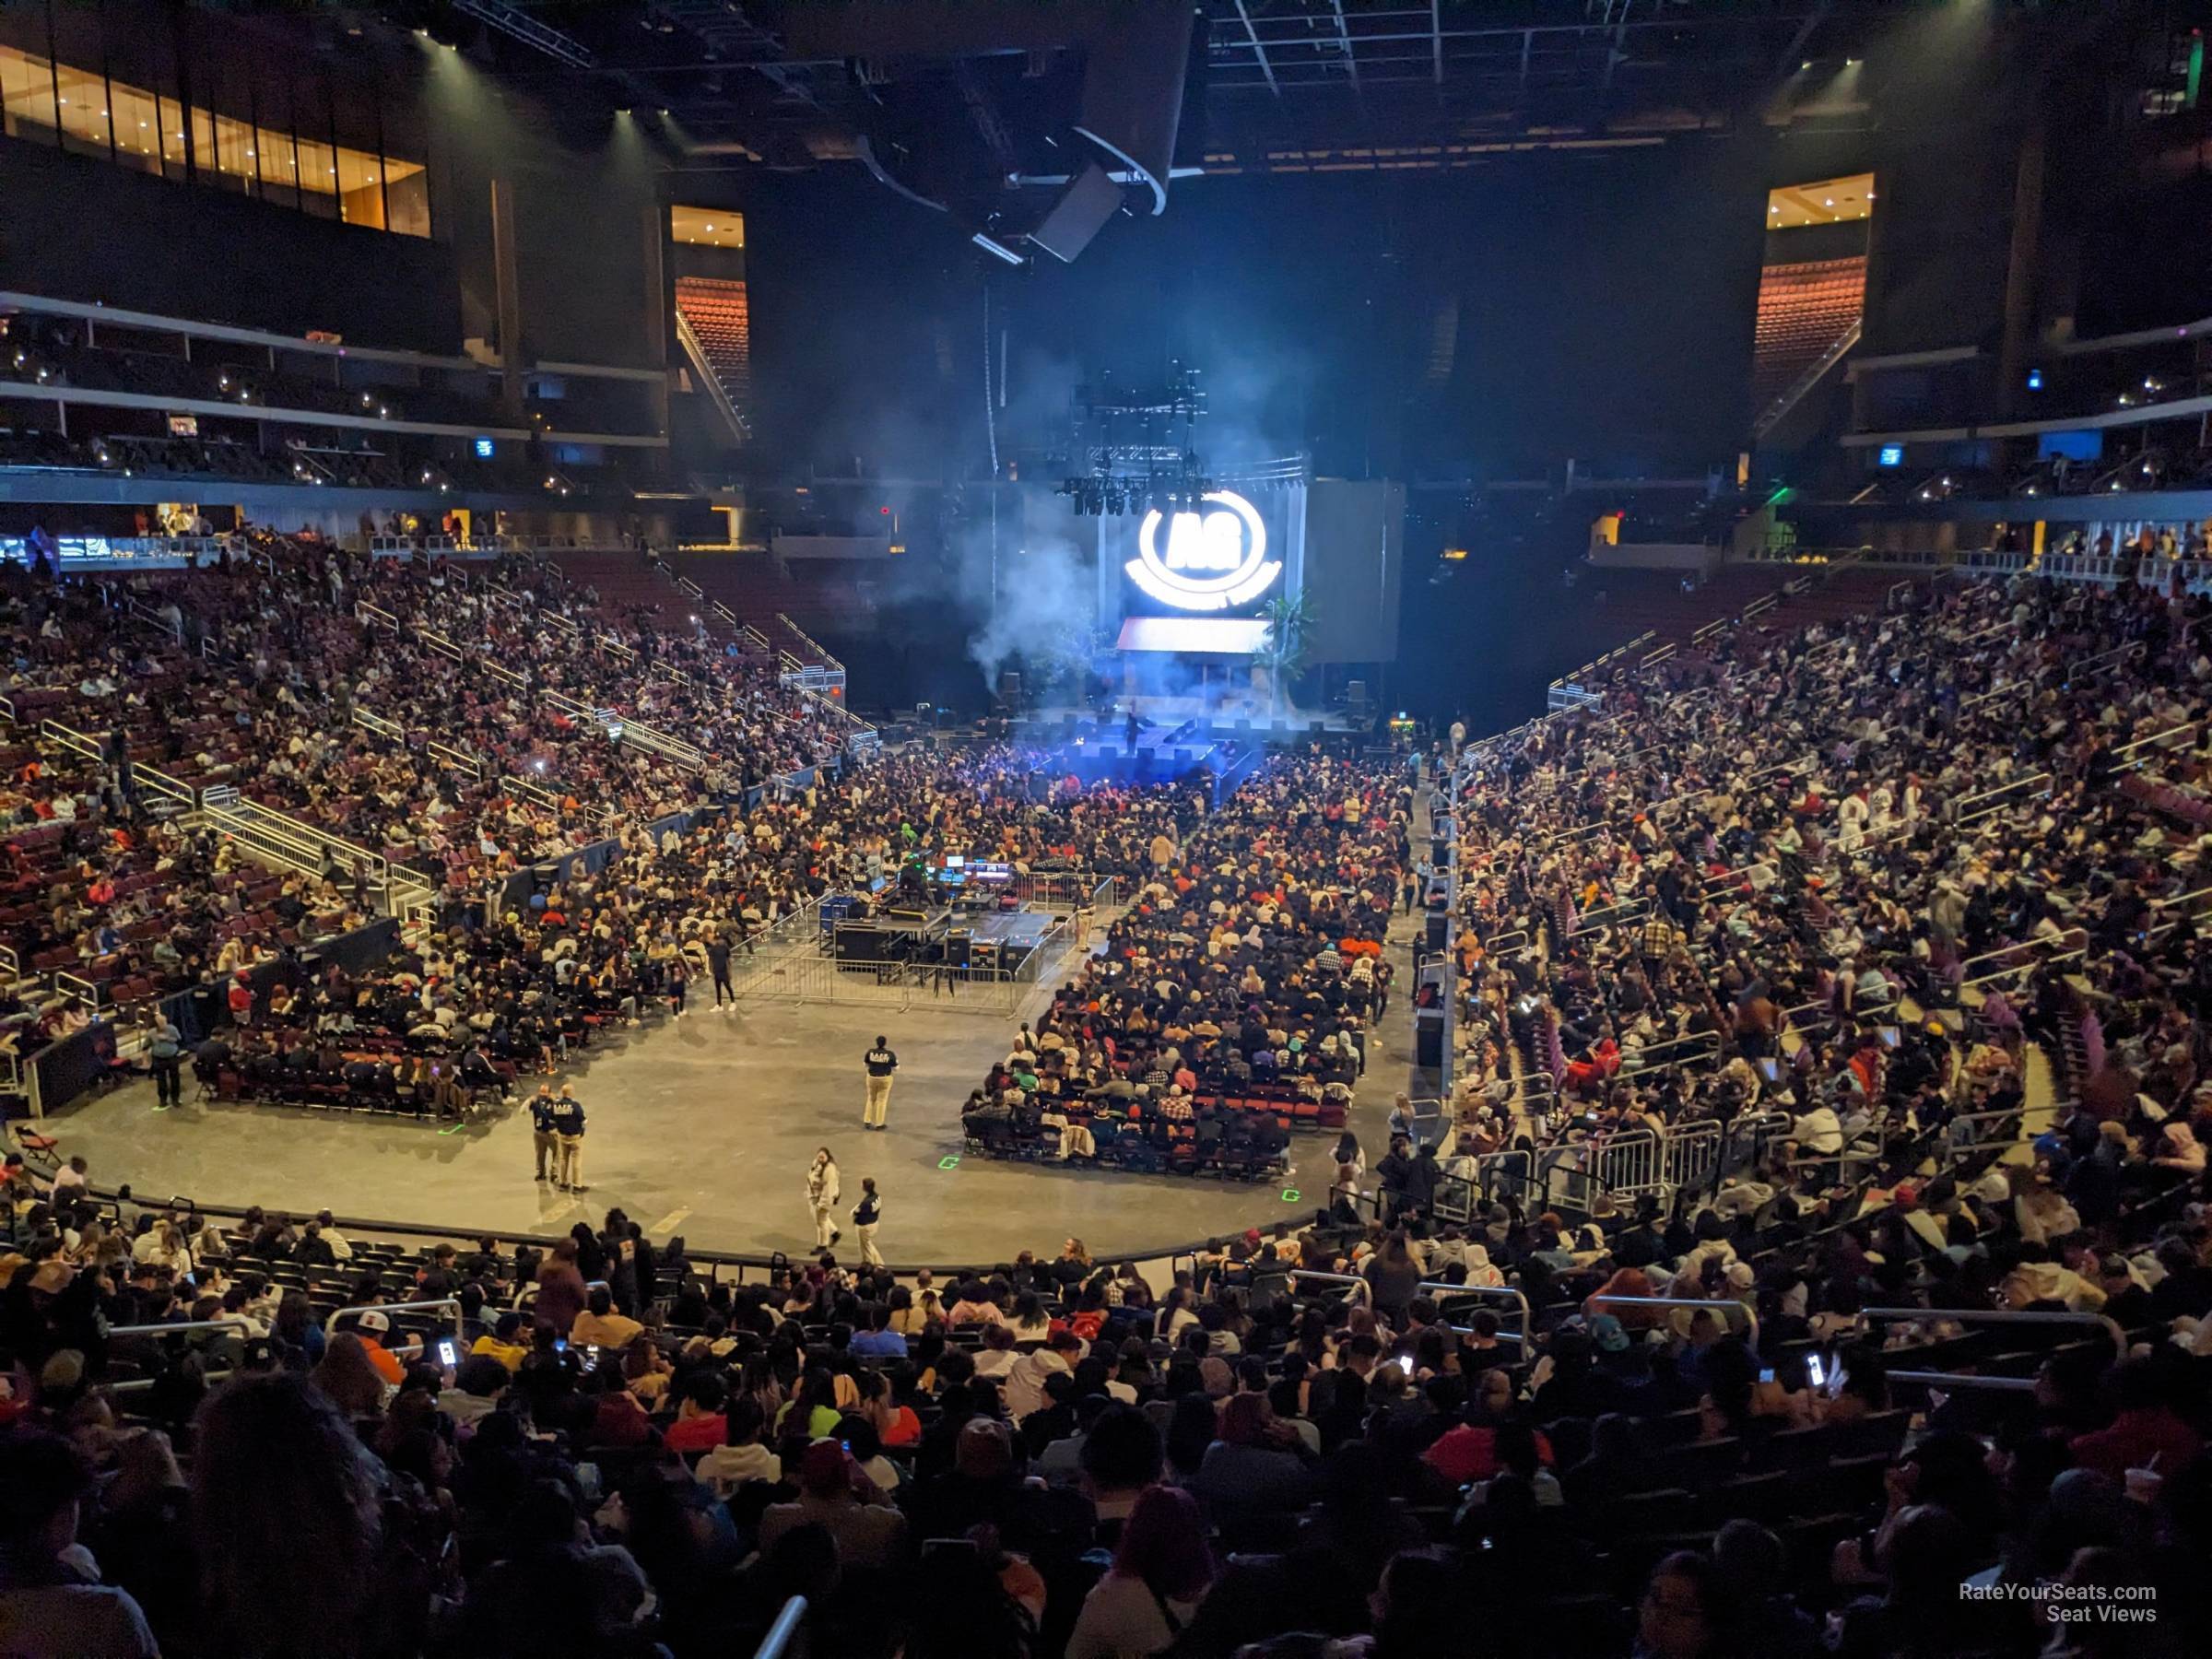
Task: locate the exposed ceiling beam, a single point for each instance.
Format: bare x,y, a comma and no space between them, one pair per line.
1798,40
1258,50
1344,40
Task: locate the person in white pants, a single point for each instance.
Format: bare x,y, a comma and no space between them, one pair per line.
865,1214
821,1197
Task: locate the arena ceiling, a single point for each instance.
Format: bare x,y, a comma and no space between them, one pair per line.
1273,85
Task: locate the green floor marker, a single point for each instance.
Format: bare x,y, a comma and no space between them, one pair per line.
1289,1194
948,1163
454,1130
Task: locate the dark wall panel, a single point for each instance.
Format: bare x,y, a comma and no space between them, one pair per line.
78,228
1355,556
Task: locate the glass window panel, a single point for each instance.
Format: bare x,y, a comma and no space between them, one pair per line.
707,227
273,159
207,156
361,188
136,118
26,88
408,196
234,149
273,140
318,178
169,137
84,112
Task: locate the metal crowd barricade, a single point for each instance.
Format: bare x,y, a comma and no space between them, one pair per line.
1748,1137
1691,1155
1627,1162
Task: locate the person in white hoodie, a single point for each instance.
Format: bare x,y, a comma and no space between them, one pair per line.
1819,1133
2037,1278
1025,1381
741,1458
1481,1270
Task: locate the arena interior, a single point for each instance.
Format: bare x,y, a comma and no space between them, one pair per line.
1244,830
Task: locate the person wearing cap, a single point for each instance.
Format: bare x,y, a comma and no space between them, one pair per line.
372,1325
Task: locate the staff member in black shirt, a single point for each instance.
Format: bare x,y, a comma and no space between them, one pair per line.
568,1124
881,1063
865,1214
718,964
542,1137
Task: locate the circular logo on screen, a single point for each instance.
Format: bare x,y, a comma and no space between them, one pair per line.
1211,559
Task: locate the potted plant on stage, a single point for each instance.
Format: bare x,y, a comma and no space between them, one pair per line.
1289,618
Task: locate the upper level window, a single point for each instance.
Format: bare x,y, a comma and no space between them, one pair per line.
279,156
707,227
1823,202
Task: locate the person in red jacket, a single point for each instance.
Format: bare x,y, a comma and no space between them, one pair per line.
2146,1427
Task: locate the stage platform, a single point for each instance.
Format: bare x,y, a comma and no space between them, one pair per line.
704,1127
1197,720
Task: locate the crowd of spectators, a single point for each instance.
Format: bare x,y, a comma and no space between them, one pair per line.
1233,999
1877,884
1318,1440
1839,880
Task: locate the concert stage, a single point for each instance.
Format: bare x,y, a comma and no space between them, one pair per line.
1175,737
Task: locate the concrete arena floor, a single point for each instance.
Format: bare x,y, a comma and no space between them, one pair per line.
704,1127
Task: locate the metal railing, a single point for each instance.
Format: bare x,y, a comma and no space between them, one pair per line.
455,760
1361,1291
1439,1293
230,1325
1727,1305
2013,791
2021,957
809,976
1999,1316
1697,1049
786,1639
443,1304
